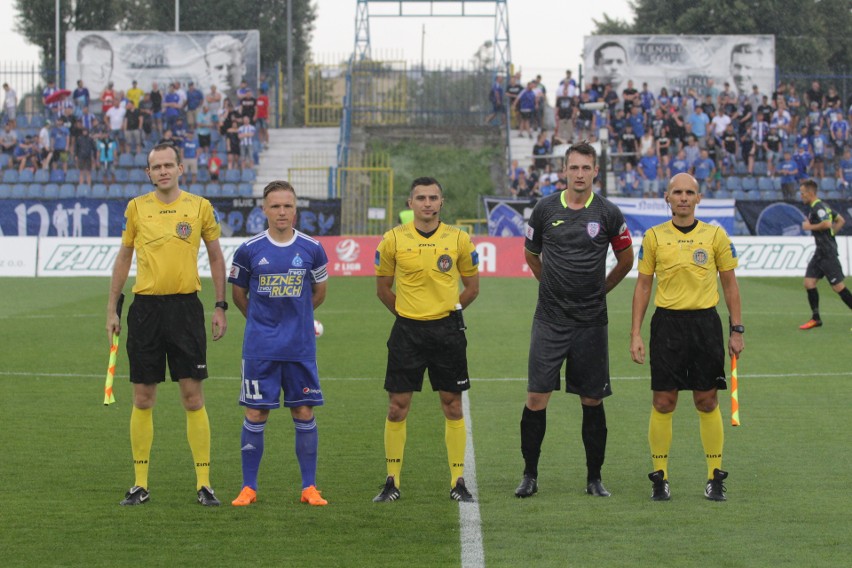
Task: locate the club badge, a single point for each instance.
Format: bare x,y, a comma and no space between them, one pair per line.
297,261
593,229
699,257
183,230
445,263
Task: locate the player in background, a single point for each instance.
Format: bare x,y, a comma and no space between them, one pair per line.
165,323
687,345
567,239
279,278
824,223
426,258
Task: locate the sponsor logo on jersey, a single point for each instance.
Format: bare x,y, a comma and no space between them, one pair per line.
234,272
593,228
699,257
529,232
306,390
288,285
557,223
262,261
183,230
445,263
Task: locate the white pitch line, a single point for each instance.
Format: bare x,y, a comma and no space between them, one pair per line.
472,551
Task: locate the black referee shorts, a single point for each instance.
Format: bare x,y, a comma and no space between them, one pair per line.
825,266
166,328
437,345
687,350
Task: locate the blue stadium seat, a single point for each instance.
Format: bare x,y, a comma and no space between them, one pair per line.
740,195
203,175
4,160
760,168
221,147
122,175
5,191
733,183
21,121
26,176
776,183
765,184
35,190
36,121
212,190
248,176
197,189
10,176
125,160
741,169
84,190
229,190
72,176
827,184
722,194
140,160
67,191
50,191
138,176
57,176
231,176
41,176
99,191
245,190
749,184
131,190
833,194
19,191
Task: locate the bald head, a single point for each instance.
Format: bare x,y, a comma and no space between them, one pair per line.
683,181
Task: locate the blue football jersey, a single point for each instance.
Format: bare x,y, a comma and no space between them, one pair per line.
279,279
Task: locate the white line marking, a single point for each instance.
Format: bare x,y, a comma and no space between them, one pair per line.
472,551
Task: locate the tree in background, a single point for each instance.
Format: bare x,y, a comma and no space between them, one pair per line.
810,36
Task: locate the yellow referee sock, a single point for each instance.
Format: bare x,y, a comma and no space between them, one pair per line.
660,440
198,434
141,437
395,433
456,439
712,438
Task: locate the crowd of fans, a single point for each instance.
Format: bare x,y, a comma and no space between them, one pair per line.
713,135
86,134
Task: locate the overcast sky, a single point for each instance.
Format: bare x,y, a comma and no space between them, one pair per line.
546,35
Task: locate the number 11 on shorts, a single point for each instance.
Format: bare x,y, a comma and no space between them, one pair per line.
251,390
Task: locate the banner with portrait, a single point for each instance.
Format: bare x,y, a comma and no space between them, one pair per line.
221,58
682,62
784,218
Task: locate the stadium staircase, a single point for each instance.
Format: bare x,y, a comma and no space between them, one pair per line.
296,148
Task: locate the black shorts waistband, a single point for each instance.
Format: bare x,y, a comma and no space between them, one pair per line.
685,313
163,297
424,323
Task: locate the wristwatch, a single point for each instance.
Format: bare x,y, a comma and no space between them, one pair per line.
224,305
737,329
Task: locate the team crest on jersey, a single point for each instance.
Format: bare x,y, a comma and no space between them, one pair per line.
183,229
297,261
593,229
699,256
445,263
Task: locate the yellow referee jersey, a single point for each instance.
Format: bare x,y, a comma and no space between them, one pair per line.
686,264
166,238
426,271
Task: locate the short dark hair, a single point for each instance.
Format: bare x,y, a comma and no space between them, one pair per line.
425,180
164,146
96,41
597,54
584,149
810,185
278,185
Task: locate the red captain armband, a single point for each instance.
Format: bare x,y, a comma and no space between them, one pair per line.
622,240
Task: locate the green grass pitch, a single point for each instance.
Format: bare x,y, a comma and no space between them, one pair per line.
65,458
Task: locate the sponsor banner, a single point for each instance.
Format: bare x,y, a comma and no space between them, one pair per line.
221,58
784,218
18,256
240,217
682,62
642,214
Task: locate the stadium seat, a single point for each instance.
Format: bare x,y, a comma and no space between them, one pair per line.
84,190
733,183
50,191
229,190
833,194
131,190
221,147
203,175
765,184
776,183
140,160
231,176
749,184
26,176
99,191
122,175
34,191
138,176
722,194
72,176
248,176
5,191
740,195
19,191
21,121
212,190
741,169
245,190
57,176
760,168
10,176
41,176
827,184
67,191
197,189
4,160
125,160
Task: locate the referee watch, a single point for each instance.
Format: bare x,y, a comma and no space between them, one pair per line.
734,328
224,305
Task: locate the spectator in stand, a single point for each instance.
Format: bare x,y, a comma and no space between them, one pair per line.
44,148
704,171
50,108
731,147
789,171
781,119
26,154
657,122
233,142
261,117
647,143
679,165
541,148
74,132
146,110
107,150
647,100
132,128
227,114
172,106
135,94
248,105
844,170
497,98
107,98
628,182
803,139
568,85
81,98
755,98
839,136
699,121
663,144
513,91
181,93
586,124
628,145
189,155
649,171
526,103
8,138
114,117
692,151
772,150
804,162
522,186
157,108
541,102
748,151
814,117
636,120
610,97
711,90
794,106
194,100
214,103
10,103
59,137
719,124
205,126
243,90
819,147
84,151
629,97
214,165
709,106
759,133
815,95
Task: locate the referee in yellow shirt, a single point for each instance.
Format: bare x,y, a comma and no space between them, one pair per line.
426,258
687,344
165,323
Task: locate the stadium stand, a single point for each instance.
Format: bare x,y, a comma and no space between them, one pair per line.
5,190
232,176
749,184
49,191
197,189
41,176
57,176
19,191
26,176
125,160
67,191
229,190
72,176
10,176
84,190
245,190
99,191
212,190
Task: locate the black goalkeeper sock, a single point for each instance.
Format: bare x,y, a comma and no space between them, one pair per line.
846,296
533,426
813,300
594,439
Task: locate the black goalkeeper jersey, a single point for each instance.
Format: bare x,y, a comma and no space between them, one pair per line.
826,245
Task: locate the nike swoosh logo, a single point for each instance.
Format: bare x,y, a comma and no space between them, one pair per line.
557,223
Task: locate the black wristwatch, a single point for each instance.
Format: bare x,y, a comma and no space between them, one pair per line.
737,329
224,305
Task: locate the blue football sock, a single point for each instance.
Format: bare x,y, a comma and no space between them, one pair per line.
251,442
307,442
